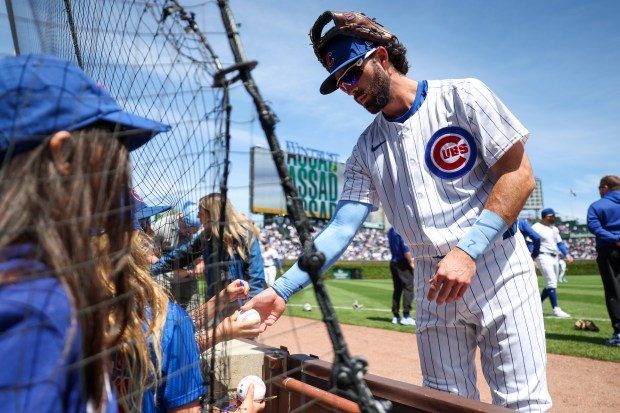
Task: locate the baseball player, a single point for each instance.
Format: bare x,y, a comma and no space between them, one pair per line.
551,246
562,269
271,258
446,160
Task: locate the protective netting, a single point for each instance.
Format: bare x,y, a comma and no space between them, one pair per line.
150,56
144,56
160,59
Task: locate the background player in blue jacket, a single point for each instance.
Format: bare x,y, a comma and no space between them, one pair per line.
401,267
604,222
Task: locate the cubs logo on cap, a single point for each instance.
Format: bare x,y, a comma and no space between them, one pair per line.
140,209
342,51
451,152
135,195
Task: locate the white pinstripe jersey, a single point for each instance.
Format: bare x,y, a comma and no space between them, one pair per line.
270,256
549,237
429,168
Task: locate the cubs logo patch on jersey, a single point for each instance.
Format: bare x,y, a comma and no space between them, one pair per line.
451,152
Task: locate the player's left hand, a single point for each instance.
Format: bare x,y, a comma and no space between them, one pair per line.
569,259
452,278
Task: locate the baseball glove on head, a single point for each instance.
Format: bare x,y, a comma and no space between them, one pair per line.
353,36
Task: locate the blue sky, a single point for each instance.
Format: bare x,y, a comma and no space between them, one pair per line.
554,63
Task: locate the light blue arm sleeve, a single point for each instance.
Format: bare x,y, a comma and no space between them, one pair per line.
562,248
332,241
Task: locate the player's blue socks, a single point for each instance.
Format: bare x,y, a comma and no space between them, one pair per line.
553,298
551,293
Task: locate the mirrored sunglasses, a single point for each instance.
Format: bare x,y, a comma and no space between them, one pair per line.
353,73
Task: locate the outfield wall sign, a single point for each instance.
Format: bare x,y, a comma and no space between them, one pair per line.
317,175
342,274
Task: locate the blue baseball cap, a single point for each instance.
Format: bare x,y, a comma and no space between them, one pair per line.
43,94
547,211
190,214
339,53
142,211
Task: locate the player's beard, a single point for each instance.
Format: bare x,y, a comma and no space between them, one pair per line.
378,91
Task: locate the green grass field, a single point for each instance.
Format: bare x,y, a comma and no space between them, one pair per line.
582,297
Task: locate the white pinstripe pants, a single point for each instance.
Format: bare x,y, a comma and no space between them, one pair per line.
270,275
501,314
549,268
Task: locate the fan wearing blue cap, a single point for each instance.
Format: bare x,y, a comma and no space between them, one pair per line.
189,223
552,248
143,213
171,232
64,170
175,363
446,160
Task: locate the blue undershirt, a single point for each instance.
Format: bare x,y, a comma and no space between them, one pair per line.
332,242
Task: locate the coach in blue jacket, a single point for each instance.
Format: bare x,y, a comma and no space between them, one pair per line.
604,222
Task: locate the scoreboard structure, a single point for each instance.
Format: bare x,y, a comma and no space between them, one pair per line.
317,175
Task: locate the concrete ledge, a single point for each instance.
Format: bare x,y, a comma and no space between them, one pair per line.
234,360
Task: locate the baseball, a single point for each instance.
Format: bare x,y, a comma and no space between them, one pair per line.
307,307
259,387
250,315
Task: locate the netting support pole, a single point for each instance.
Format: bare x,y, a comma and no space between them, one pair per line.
9,11
76,46
348,372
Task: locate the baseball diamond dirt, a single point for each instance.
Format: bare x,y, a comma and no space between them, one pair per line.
577,385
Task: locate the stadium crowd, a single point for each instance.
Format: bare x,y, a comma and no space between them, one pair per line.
372,244
368,244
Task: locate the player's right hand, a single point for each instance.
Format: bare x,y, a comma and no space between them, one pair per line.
452,278
269,305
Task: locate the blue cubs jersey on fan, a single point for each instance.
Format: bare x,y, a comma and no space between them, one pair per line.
181,381
40,346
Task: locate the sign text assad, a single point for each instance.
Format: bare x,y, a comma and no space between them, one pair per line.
317,176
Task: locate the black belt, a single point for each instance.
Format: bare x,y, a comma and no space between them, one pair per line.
550,253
